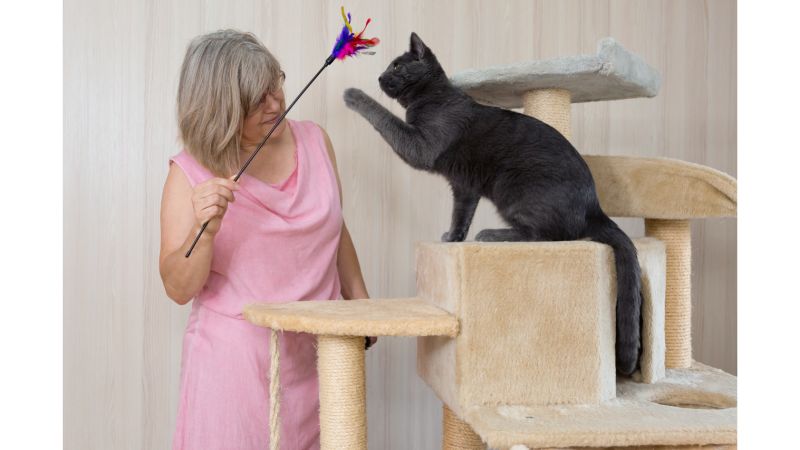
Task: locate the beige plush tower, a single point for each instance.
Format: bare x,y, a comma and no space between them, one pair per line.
667,194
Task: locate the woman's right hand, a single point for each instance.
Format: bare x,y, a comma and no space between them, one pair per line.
210,201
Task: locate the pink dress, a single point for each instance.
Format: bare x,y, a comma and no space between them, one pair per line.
276,243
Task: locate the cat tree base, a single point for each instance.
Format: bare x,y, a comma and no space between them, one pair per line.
690,407
504,379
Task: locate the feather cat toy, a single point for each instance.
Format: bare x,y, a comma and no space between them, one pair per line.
347,44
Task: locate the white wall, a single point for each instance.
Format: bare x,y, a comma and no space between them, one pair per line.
122,334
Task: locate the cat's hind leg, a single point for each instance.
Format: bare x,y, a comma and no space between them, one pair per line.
526,225
504,235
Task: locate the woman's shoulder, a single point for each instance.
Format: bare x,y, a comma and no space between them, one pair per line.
182,158
307,126
194,171
311,129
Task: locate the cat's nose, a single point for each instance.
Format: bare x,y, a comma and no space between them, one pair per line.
380,79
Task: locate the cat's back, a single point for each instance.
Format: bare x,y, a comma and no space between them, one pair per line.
504,134
499,143
510,126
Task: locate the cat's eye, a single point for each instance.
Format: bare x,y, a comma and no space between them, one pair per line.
395,66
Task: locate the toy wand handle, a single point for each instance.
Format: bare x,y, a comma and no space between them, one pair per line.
328,62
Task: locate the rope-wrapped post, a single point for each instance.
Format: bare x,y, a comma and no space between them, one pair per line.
342,393
457,434
274,392
551,106
676,235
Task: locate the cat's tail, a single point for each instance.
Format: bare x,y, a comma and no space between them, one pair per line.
629,293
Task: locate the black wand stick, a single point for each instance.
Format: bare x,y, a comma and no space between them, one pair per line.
328,62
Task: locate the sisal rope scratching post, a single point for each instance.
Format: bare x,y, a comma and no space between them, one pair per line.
274,392
457,434
676,235
342,392
551,106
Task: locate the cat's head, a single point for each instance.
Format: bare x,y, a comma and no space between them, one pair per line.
412,71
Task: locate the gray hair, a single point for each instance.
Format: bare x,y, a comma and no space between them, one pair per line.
223,77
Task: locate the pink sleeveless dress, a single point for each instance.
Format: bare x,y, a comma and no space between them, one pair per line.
276,243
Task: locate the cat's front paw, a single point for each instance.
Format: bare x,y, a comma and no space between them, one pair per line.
355,98
450,236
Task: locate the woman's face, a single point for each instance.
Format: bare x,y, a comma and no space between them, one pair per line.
258,123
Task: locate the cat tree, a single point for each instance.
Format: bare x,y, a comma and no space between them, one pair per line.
525,358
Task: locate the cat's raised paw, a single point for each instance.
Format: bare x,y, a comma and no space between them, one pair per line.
354,98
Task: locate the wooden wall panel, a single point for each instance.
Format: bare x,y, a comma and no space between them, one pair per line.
104,249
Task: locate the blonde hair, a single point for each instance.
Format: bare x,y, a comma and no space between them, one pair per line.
223,77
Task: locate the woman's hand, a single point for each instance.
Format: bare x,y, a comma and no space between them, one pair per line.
210,202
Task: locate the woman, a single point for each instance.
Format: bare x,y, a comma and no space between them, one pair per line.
275,235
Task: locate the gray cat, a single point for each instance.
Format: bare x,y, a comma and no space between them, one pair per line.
539,183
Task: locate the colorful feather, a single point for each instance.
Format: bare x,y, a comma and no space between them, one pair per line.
348,43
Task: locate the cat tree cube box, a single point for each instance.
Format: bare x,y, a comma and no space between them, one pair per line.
537,321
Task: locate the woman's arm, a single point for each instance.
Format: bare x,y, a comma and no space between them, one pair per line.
183,209
350,276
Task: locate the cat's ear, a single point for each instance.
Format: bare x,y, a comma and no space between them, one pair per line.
418,48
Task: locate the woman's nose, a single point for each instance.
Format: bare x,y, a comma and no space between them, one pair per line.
270,103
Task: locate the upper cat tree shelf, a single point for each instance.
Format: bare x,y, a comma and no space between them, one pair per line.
612,74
